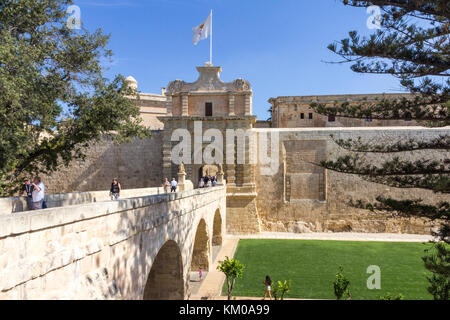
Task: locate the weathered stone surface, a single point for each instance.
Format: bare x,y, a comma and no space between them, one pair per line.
300,227
282,203
136,165
106,250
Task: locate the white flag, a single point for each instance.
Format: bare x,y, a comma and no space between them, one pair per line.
202,31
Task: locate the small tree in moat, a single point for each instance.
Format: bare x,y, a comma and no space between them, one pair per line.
341,285
280,289
232,269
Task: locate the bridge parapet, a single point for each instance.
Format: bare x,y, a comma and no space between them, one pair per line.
19,204
101,250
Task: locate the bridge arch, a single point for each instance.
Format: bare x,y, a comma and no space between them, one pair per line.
217,229
201,250
165,281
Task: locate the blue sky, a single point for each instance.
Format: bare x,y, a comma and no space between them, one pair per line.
279,46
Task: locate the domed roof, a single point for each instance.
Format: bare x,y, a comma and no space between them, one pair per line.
132,83
130,79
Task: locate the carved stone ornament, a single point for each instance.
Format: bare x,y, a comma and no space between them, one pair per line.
241,85
175,86
181,169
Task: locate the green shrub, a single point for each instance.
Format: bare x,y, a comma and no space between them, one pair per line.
341,285
281,289
388,296
232,269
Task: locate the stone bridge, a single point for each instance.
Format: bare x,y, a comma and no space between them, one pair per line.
137,248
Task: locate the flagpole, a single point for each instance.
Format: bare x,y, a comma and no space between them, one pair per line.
211,40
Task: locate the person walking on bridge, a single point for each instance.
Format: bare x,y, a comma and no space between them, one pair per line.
115,190
166,185
38,194
174,184
28,190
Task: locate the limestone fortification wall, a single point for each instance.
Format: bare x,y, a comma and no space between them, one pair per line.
105,250
136,165
302,197
299,198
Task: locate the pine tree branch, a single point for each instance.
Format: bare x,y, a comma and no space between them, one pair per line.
356,165
438,183
434,8
407,208
440,143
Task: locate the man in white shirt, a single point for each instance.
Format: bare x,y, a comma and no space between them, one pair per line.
38,193
174,185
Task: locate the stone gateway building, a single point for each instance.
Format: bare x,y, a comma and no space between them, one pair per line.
297,196
205,106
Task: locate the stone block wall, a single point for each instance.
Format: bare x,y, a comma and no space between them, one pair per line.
303,198
242,215
137,165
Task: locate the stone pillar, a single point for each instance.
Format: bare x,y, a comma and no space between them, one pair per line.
231,174
248,104
247,178
169,106
230,168
181,178
220,174
167,152
241,149
247,172
184,105
231,100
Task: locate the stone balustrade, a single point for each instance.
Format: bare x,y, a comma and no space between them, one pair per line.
19,204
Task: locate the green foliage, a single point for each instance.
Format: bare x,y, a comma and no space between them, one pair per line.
440,143
389,296
438,262
280,289
412,45
408,208
341,285
271,114
232,269
54,100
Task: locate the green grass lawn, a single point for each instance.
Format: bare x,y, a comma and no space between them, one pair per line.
312,266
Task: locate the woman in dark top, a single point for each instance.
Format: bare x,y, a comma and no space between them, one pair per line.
268,284
115,190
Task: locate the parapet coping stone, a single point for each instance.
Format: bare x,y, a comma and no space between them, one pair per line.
354,129
30,221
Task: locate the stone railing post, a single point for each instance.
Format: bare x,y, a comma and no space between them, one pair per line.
220,174
181,178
